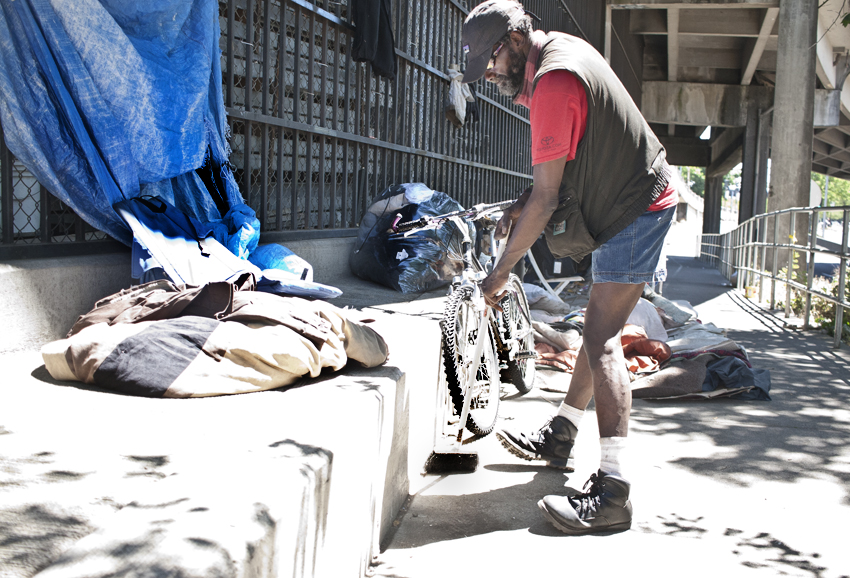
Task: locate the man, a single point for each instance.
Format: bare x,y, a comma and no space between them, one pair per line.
601,185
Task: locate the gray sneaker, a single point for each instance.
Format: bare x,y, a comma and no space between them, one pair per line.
553,443
603,508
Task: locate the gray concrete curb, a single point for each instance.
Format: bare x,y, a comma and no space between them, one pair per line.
301,482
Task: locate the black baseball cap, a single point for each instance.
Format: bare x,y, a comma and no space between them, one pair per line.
485,25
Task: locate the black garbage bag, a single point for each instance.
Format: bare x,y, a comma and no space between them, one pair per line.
423,261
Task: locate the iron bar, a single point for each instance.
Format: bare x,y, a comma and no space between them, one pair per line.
262,214
228,92
267,50
279,184
7,193
810,267
293,196
842,283
296,69
44,213
249,53
775,268
790,270
311,71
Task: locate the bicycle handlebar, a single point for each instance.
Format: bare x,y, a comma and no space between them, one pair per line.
409,225
472,213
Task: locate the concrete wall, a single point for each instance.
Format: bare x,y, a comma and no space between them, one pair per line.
44,297
329,257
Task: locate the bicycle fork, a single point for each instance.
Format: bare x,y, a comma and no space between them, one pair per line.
473,362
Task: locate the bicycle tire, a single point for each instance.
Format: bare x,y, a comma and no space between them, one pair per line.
516,324
459,326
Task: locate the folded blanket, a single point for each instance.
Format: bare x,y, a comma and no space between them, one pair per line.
251,342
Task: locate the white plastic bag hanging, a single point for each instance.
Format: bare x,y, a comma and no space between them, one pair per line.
459,95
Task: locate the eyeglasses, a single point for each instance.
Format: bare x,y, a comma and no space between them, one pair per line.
492,62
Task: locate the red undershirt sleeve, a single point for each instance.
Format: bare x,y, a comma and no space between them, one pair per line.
558,117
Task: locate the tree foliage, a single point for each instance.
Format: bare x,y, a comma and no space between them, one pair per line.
697,179
838,193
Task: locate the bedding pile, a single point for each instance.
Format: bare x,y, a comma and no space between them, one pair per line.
165,340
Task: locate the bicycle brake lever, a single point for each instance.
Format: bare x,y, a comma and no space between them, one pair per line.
501,248
394,226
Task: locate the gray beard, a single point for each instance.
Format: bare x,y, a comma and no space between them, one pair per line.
510,84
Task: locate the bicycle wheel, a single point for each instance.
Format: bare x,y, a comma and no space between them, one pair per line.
515,324
460,330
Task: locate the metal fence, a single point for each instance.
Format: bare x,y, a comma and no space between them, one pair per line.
30,216
753,252
316,136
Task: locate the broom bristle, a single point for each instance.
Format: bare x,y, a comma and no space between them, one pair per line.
445,463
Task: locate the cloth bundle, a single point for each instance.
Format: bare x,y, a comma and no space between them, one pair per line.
165,340
559,350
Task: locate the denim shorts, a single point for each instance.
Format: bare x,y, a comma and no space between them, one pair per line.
634,254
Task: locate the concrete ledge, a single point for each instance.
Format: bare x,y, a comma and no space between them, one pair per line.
299,482
45,296
302,482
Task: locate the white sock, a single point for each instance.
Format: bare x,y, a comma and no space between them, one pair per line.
571,413
612,450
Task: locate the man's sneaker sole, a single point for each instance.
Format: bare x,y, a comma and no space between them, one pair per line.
581,532
558,464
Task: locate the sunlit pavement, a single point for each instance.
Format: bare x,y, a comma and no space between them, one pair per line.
722,488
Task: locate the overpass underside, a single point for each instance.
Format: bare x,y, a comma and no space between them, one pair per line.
767,77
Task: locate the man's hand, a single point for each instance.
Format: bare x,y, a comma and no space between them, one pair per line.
510,215
506,222
493,288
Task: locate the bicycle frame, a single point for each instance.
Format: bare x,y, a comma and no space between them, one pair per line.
472,278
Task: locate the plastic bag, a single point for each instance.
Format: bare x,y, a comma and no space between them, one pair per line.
274,256
420,262
286,273
644,315
459,94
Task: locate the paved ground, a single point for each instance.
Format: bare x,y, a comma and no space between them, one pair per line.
724,488
721,488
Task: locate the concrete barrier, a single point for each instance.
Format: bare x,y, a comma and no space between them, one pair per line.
44,297
303,482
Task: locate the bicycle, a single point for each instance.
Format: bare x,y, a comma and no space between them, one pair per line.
502,343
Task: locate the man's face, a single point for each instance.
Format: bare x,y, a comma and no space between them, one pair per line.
508,71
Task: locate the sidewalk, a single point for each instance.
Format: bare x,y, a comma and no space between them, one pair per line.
292,482
720,488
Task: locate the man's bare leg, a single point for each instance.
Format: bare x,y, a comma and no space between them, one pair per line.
600,370
605,506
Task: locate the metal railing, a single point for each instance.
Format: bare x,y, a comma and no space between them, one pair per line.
317,136
754,253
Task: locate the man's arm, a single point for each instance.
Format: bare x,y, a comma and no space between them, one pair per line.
536,212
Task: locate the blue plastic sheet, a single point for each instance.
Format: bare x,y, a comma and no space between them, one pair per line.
109,100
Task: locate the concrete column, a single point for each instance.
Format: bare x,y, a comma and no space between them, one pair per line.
713,205
763,153
749,165
793,126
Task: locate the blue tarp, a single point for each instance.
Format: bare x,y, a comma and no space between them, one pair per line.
114,99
